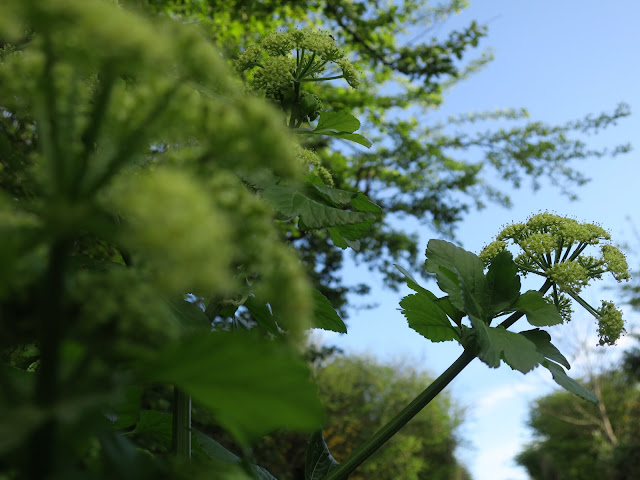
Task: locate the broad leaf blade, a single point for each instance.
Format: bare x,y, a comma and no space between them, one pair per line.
252,386
470,292
568,383
213,450
336,122
503,283
542,341
313,214
412,283
497,344
324,315
318,460
426,318
539,312
262,315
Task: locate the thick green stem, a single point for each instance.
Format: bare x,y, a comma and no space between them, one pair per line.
51,326
389,430
368,448
181,424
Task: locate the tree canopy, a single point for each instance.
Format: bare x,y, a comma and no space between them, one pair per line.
431,172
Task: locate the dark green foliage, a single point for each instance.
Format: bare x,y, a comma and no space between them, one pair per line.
581,441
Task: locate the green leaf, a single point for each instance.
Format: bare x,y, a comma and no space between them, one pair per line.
324,315
154,426
189,315
354,137
542,341
337,122
335,195
447,307
313,214
568,383
318,460
213,450
261,313
340,125
497,344
250,384
470,292
503,283
412,283
362,203
126,413
539,312
427,318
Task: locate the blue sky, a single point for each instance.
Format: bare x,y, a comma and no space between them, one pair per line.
561,61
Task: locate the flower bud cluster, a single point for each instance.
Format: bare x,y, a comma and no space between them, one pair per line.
610,323
284,59
554,247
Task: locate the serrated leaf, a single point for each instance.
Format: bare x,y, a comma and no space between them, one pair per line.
252,386
336,122
362,203
497,344
318,460
568,383
503,283
335,195
426,318
542,341
539,312
447,307
470,292
313,214
262,315
324,315
412,283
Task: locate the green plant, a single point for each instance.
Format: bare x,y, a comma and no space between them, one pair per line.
145,198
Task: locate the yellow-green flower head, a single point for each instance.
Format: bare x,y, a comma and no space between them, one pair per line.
312,52
564,305
539,243
275,78
349,72
312,161
278,44
489,252
569,275
319,42
610,323
512,232
615,262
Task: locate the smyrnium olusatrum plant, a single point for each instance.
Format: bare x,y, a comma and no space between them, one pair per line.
486,288
557,248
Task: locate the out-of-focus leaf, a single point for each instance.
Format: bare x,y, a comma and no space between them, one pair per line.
252,386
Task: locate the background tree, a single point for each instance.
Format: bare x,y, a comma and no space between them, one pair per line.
360,394
575,440
431,172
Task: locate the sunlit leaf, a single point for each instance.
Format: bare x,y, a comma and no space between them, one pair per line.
539,312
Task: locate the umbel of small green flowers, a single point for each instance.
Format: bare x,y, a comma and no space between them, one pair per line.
556,248
282,61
